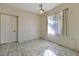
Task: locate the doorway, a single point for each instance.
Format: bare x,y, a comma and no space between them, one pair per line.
9,28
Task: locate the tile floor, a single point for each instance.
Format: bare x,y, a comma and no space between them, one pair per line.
37,47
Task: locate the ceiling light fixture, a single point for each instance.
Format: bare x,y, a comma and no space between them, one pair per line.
41,9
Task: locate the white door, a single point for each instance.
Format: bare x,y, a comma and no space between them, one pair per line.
8,29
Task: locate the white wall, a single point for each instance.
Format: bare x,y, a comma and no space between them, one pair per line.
72,39
28,23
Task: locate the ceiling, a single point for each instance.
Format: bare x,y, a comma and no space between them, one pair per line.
34,7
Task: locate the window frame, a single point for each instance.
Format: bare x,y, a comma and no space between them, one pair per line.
61,23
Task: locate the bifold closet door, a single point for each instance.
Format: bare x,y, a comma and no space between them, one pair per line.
8,29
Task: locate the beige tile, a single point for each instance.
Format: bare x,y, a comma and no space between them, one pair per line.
68,52
37,47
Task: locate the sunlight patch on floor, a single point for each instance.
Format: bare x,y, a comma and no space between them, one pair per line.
49,53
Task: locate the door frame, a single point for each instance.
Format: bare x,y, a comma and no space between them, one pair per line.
17,27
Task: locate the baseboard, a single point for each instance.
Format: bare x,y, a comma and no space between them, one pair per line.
8,42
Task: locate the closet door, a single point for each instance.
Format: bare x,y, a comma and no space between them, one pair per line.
8,29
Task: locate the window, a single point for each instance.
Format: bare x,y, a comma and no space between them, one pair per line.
55,24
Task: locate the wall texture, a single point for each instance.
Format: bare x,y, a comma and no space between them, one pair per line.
72,38
28,23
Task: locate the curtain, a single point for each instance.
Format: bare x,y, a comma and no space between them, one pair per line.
65,20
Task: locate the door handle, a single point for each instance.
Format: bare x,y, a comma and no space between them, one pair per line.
13,30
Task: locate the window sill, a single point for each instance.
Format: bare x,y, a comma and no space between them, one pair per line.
55,36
